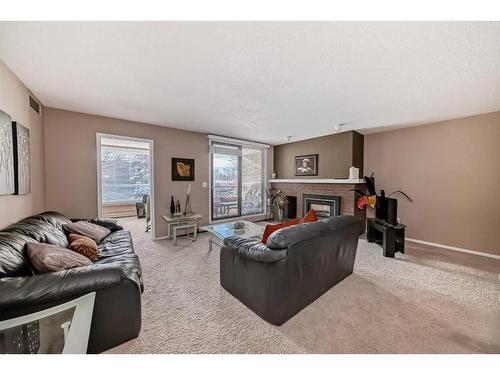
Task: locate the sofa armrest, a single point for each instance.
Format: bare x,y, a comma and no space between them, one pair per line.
254,249
45,288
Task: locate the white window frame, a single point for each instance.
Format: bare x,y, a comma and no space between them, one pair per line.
99,137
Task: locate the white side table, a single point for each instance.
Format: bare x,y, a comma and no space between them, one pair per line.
182,222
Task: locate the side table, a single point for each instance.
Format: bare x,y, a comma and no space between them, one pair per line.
180,222
390,237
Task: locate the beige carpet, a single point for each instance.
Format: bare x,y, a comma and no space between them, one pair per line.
410,304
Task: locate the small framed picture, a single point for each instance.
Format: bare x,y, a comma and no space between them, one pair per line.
182,169
306,165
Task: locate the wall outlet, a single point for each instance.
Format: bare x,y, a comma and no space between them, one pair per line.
204,184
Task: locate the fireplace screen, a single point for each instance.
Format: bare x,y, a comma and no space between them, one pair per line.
324,205
321,209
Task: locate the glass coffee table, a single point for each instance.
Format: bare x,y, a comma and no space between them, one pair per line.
217,232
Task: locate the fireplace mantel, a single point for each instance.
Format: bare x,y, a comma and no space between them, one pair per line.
318,181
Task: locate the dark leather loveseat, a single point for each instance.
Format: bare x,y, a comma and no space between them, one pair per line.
115,277
298,265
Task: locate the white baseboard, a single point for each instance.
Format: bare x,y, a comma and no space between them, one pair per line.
453,248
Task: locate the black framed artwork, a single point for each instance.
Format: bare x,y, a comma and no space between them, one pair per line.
182,169
306,165
22,167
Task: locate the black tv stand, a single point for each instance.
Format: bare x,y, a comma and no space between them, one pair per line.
390,237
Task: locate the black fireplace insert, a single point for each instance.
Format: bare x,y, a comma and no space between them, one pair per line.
324,205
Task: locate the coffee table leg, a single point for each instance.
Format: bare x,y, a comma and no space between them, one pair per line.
195,230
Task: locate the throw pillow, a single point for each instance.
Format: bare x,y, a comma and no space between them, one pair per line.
270,228
94,231
309,217
51,258
83,245
111,224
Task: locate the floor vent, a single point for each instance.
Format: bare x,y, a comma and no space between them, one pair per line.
35,106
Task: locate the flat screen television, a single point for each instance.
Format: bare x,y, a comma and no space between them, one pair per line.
386,209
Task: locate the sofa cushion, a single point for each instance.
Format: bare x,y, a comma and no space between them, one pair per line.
118,249
40,231
253,249
111,224
52,258
52,217
83,245
298,233
84,228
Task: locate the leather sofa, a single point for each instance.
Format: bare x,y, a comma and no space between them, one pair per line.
298,265
115,277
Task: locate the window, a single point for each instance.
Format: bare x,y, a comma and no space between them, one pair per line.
125,170
238,179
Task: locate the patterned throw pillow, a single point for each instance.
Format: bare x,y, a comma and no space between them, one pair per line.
83,245
94,231
52,258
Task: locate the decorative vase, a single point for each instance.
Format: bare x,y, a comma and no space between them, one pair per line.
172,205
178,207
280,213
187,206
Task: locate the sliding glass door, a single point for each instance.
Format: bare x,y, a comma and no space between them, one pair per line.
226,176
238,180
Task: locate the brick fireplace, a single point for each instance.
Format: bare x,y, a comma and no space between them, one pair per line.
343,189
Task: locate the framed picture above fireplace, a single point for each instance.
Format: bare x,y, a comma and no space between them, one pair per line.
306,165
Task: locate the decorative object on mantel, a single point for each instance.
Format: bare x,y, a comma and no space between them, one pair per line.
182,169
178,208
187,206
172,205
353,173
306,165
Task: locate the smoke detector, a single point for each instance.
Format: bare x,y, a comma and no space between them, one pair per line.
338,127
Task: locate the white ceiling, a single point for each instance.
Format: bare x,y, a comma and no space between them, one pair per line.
261,80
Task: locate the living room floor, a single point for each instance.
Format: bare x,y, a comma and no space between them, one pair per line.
426,301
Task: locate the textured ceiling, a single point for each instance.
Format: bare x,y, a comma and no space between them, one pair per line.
261,80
